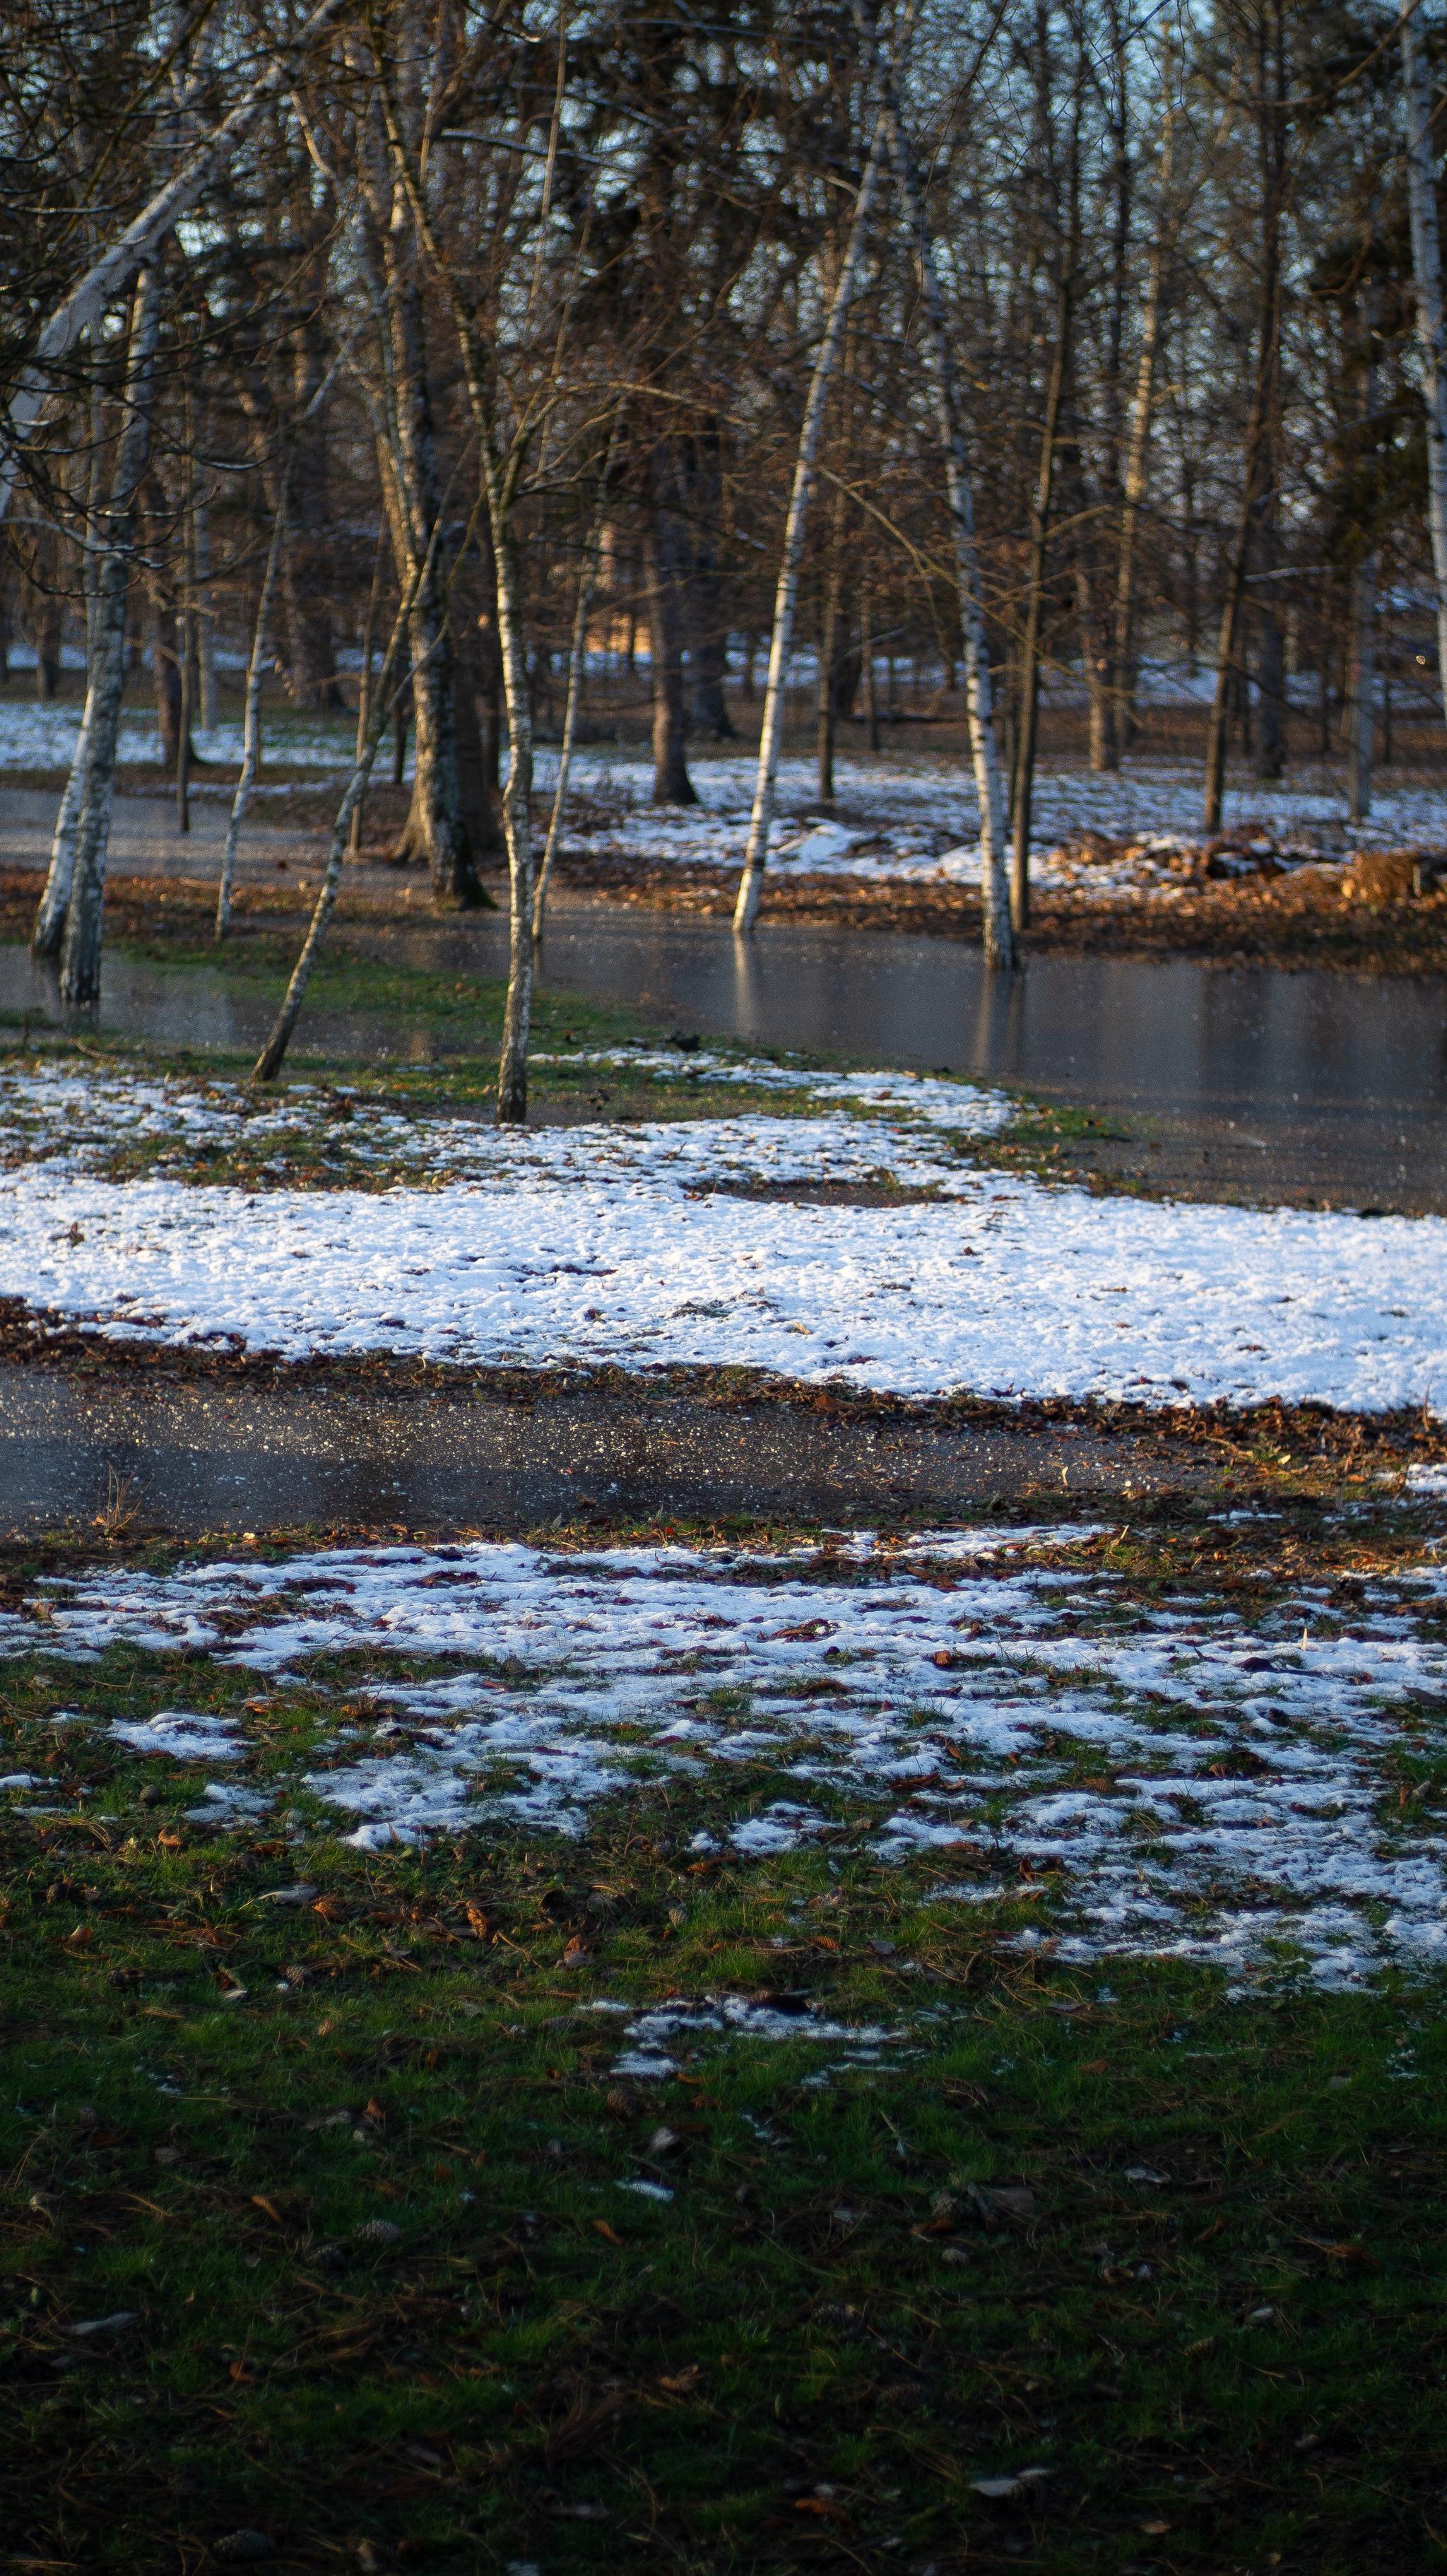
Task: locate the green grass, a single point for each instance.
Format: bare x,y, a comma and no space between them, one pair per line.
802,2359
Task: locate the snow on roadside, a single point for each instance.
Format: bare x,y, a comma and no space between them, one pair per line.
1173,1780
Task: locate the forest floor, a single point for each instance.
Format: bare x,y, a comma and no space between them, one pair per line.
884,2016
1121,864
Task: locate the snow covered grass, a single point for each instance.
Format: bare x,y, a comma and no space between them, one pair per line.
1169,1778
916,819
639,1245
903,816
42,736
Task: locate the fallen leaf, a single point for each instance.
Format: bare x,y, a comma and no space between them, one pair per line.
820,2504
241,2376
1095,2066
683,2381
1338,2253
375,2111
169,1842
603,2229
260,2201
575,1953
1155,2530
442,2173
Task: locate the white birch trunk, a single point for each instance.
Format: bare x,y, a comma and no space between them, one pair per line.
1427,283
108,276
49,928
795,530
1137,448
80,947
999,937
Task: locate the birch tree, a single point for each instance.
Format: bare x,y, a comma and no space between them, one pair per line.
71,907
1423,157
998,934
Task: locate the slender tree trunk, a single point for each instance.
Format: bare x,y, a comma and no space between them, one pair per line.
434,826
1364,612
708,656
79,905
1259,479
577,662
364,696
269,1063
1423,153
999,938
183,749
1022,797
500,472
205,613
866,643
795,530
1363,689
671,782
251,734
829,654
49,639
1137,450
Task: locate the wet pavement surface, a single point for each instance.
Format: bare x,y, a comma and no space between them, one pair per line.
212,1455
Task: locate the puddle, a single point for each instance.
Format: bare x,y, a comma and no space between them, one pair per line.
1351,1070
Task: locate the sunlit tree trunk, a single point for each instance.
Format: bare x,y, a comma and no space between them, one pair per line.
71,917
1423,155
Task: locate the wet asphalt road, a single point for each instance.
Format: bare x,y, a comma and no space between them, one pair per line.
217,1455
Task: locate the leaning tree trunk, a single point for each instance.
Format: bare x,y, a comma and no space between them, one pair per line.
269,1063
1427,288
135,248
999,937
81,904
796,526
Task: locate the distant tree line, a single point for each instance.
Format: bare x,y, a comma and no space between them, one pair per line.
404,344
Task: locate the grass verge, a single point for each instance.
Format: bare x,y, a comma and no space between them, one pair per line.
335,2226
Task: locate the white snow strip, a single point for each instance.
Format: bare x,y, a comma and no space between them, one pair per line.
628,1250
1178,1782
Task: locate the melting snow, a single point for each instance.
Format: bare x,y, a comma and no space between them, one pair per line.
635,1246
1167,1780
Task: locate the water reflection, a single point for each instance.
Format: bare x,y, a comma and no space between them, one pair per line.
1249,1045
